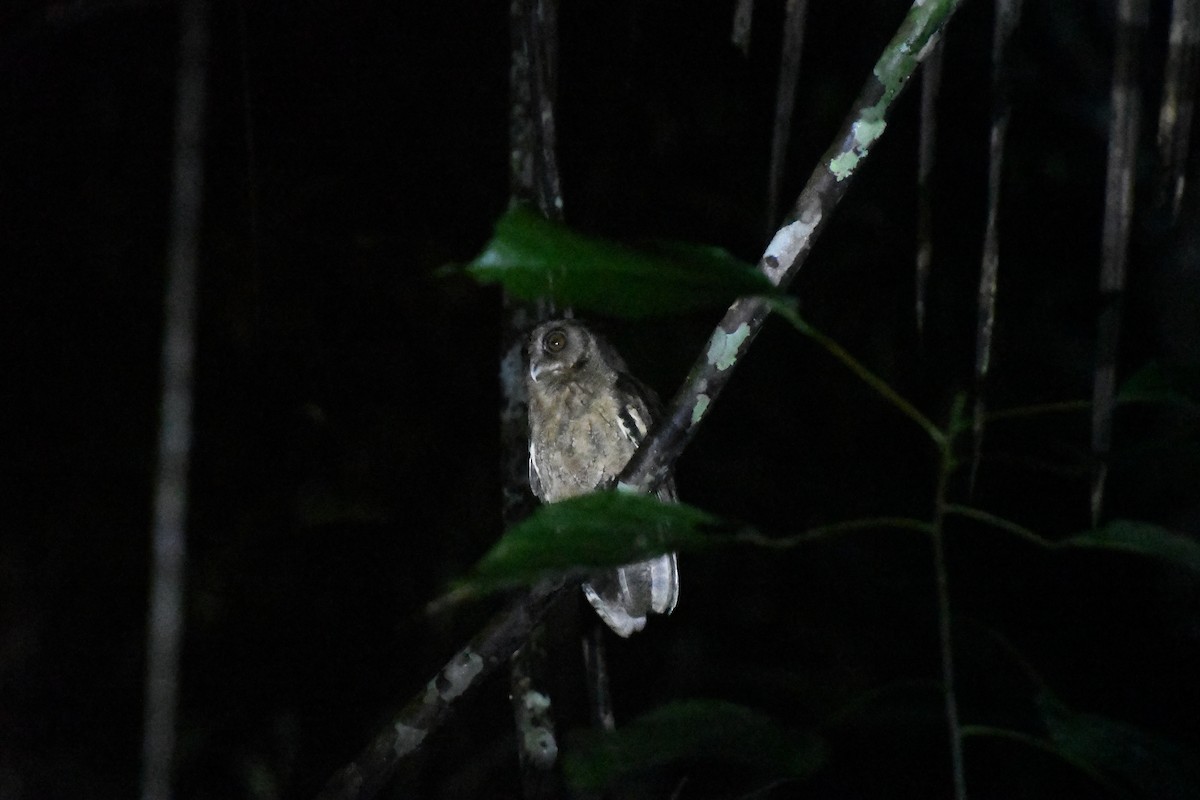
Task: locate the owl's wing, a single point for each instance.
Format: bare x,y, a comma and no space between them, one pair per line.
639,409
535,480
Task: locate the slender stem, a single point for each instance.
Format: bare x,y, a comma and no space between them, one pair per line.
1124,121
1177,108
1038,409
931,80
795,14
595,664
945,634
825,531
165,622
1048,747
875,382
1008,12
997,522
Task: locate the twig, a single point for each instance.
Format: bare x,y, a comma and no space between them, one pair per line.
795,13
1118,215
252,188
882,387
1049,748
1178,102
164,632
743,18
980,515
1038,409
833,529
931,81
1008,12
595,665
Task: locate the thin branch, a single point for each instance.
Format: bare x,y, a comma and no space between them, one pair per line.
931,81
164,632
1118,215
789,248
1008,12
252,189
1038,409
595,665
1001,523
743,18
795,14
533,82
1178,102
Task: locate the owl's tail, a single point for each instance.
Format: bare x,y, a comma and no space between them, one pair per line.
626,595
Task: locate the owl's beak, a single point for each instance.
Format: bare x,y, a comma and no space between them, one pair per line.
543,368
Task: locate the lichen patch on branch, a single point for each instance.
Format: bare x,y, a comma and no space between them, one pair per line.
456,677
723,346
407,739
786,244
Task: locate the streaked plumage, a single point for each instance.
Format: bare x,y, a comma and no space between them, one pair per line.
586,418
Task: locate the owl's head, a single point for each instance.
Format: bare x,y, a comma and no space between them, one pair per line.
565,347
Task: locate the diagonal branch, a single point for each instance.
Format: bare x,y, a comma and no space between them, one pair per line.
432,706
788,250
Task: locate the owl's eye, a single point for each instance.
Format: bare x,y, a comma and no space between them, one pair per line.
554,341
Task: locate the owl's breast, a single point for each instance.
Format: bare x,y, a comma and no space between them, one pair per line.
576,442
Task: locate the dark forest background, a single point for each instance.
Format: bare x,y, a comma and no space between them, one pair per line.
346,462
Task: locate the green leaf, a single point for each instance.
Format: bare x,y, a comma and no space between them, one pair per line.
1142,538
1152,384
692,730
598,529
1152,764
533,257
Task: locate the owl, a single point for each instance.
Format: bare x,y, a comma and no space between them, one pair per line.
586,418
